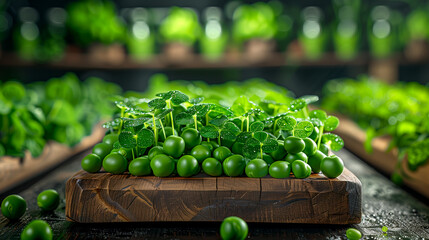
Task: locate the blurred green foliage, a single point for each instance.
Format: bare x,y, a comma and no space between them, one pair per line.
62,109
399,110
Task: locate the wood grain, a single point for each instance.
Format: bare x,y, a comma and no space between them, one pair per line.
14,172
103,197
354,138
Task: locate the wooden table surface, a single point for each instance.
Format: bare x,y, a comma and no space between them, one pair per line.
383,204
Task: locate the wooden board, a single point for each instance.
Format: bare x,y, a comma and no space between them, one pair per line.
103,197
13,171
354,138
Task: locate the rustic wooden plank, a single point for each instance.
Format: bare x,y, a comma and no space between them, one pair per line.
354,138
14,172
103,197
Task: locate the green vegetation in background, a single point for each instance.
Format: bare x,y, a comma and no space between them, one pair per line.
95,21
256,21
181,25
314,33
61,109
214,39
400,111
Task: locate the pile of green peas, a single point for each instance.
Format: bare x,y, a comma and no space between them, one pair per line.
14,206
187,154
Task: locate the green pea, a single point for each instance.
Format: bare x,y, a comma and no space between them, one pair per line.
115,163
221,153
294,145
192,137
212,167
353,234
208,145
300,169
110,139
332,166
233,228
155,151
13,207
140,166
237,148
315,134
280,153
290,158
256,168
37,230
48,200
91,163
200,152
267,158
102,150
162,165
187,166
315,160
324,149
234,165
174,146
280,169
310,147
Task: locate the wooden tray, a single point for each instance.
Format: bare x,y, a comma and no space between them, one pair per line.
103,197
354,138
13,171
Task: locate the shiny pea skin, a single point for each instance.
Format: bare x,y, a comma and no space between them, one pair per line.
91,163
37,229
310,147
233,228
290,158
212,167
256,168
162,165
280,169
13,207
300,169
48,200
234,165
187,166
140,166
221,153
155,151
315,160
353,234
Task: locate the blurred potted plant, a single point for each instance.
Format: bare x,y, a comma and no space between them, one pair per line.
140,40
95,26
346,32
417,22
26,36
214,37
179,31
313,34
255,26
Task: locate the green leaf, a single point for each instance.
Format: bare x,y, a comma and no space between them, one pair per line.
251,151
243,137
370,135
242,105
319,114
316,122
196,100
177,97
260,136
199,109
257,126
163,113
297,104
333,141
127,139
231,127
62,113
310,99
184,118
35,146
157,103
418,154
253,142
219,121
227,135
331,123
209,131
129,122
286,123
5,105
270,145
145,138
116,145
303,129
216,110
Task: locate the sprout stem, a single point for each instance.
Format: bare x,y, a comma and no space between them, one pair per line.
320,136
171,115
162,127
195,122
155,130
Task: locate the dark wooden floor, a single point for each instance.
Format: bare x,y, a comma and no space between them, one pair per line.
383,205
